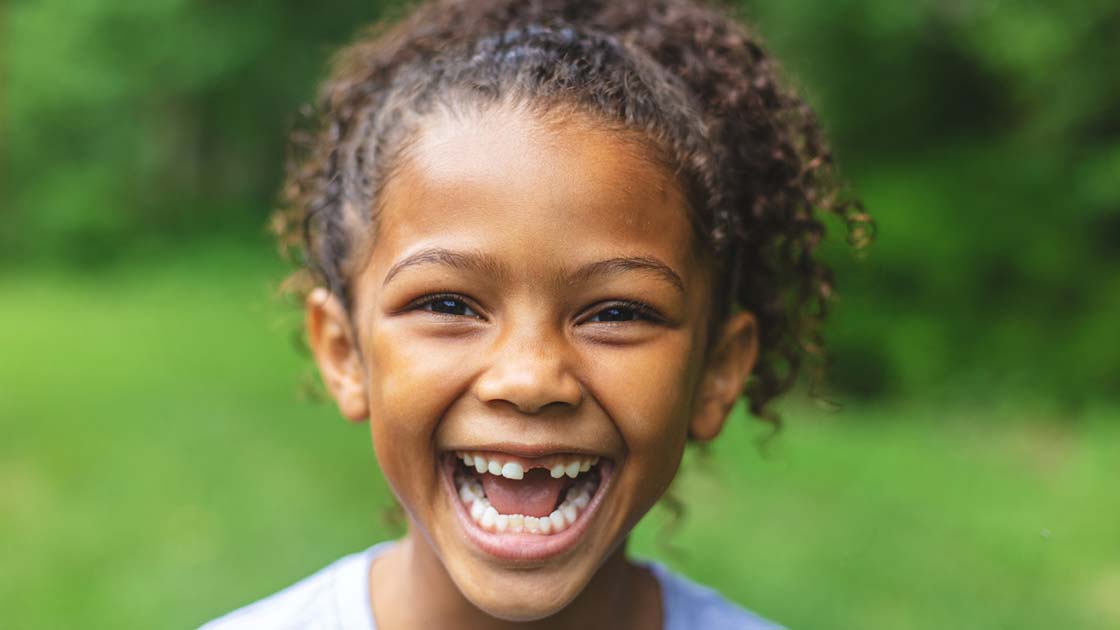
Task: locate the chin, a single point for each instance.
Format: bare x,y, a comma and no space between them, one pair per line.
520,597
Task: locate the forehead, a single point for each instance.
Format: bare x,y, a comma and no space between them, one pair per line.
541,192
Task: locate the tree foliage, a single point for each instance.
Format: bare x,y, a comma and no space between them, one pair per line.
983,136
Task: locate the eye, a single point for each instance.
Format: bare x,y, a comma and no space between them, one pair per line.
620,312
445,304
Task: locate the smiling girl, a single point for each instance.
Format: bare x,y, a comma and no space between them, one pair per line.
549,244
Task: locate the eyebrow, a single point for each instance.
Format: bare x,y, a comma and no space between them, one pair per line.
613,266
482,263
468,261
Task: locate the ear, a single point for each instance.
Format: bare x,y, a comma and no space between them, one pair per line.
729,364
336,351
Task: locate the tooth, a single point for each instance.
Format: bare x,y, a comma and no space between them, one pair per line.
468,459
585,465
594,460
465,493
572,469
477,508
581,500
501,523
532,524
513,470
544,524
570,512
480,464
557,471
494,468
516,523
488,517
557,519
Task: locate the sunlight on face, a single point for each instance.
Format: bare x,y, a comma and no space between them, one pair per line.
531,295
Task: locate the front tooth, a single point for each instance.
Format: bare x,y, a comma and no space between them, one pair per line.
513,470
489,516
480,464
516,523
494,468
557,471
585,465
532,524
572,469
557,518
468,459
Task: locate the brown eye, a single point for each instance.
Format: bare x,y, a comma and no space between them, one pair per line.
624,312
446,305
615,314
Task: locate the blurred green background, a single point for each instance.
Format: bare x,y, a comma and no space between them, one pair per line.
161,463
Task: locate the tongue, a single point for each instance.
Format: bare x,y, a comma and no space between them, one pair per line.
535,495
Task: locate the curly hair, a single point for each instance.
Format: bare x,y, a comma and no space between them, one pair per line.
684,78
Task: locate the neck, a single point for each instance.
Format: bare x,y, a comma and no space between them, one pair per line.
620,595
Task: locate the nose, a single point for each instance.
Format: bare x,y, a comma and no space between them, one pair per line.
531,372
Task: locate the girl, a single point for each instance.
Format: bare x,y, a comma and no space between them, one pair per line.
549,243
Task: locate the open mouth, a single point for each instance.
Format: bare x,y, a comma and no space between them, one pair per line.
539,497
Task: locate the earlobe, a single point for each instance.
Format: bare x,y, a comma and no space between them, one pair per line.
729,365
336,352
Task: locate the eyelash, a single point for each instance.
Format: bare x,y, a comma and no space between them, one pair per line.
642,311
428,300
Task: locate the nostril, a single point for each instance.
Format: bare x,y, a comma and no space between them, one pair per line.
532,408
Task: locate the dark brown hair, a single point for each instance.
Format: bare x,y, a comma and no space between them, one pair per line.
686,78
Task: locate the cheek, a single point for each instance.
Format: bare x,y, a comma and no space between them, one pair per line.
648,391
411,384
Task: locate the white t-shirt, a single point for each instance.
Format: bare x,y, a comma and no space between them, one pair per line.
337,598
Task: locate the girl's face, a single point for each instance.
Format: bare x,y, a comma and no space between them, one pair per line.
532,308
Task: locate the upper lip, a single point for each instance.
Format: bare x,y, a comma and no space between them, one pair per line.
529,451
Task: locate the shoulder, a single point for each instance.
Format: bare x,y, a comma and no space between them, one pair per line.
691,605
335,598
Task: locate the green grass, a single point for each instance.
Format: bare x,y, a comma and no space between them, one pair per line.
158,467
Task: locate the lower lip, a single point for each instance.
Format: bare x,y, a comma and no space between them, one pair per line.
526,547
